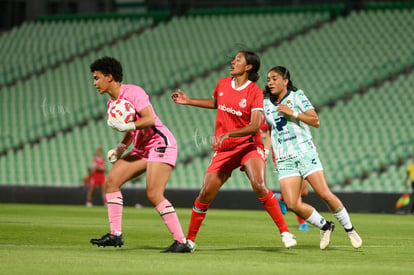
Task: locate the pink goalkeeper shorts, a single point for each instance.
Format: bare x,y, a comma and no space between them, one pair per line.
163,153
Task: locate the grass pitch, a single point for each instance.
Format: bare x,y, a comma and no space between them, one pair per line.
54,239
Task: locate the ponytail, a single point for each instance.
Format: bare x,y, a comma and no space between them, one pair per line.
290,86
254,60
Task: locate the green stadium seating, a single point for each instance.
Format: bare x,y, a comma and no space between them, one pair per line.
352,45
357,136
33,46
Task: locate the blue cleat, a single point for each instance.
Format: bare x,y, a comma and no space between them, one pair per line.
303,227
282,204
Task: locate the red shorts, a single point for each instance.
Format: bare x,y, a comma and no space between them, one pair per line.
227,161
97,178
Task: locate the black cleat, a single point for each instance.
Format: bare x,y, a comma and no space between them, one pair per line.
178,247
108,240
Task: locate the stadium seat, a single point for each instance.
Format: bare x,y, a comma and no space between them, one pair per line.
356,135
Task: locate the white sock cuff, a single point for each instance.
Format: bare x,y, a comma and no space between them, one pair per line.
167,210
316,219
117,200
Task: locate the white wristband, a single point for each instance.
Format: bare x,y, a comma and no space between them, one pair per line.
266,151
295,114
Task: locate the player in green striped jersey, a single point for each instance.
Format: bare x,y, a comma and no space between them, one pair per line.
289,113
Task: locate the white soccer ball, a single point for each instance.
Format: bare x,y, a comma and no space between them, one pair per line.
121,110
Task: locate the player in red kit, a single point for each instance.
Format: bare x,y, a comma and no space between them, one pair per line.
97,178
237,141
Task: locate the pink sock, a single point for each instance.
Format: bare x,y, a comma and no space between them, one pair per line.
115,206
168,214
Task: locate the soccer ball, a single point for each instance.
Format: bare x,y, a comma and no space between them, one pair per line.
121,110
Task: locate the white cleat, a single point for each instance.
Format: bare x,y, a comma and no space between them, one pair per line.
288,239
192,245
355,239
326,235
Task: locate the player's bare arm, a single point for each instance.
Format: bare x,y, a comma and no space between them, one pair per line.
146,119
182,98
268,143
127,140
251,129
309,117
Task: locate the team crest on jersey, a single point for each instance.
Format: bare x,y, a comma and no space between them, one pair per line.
221,94
289,103
243,103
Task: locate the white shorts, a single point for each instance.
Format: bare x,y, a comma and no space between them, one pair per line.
302,165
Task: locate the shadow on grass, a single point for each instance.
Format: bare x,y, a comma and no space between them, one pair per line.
256,248
206,249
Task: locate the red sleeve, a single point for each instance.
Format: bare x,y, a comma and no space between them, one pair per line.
215,95
263,126
256,98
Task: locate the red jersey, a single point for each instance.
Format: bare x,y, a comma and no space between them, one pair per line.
234,109
98,164
263,126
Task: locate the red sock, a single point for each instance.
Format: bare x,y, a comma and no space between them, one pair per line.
272,207
300,220
197,216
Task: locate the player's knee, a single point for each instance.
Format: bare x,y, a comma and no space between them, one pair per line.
259,187
293,206
154,196
108,182
111,183
206,196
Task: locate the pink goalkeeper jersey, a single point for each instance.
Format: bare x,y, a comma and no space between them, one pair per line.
234,109
144,139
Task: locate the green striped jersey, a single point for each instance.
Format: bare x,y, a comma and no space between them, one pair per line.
290,137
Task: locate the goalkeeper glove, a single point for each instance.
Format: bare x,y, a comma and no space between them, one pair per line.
115,154
121,126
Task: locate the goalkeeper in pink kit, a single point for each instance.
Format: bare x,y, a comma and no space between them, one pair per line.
154,152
